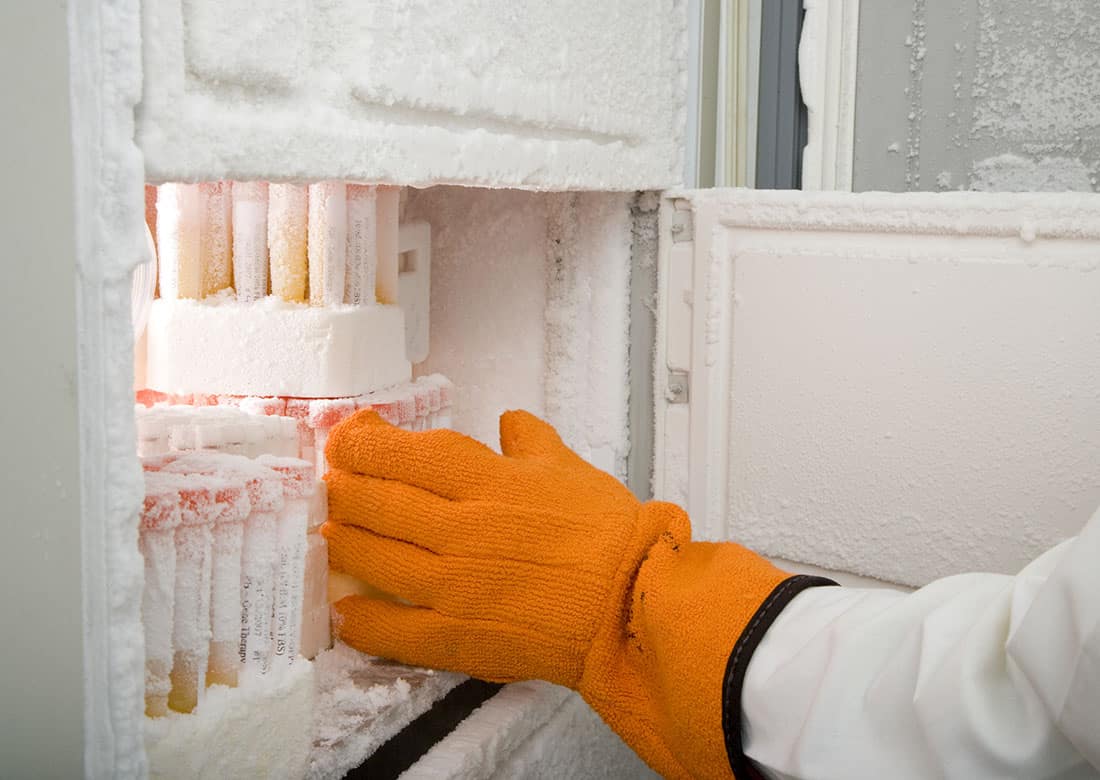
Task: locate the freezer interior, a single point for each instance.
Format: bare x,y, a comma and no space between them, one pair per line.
267,314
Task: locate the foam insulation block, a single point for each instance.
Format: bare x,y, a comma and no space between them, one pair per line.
530,729
568,95
274,348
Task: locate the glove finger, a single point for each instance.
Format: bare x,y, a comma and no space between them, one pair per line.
443,462
522,435
512,592
483,649
477,529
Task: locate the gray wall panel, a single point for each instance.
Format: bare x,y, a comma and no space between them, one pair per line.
981,94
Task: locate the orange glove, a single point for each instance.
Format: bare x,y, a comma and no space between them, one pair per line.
534,564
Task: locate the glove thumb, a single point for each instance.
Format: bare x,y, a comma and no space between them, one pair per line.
522,435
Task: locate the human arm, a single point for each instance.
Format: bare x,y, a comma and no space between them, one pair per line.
974,676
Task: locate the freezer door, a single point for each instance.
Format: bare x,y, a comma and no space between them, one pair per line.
568,95
900,386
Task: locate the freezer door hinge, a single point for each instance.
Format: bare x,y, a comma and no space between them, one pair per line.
682,228
676,388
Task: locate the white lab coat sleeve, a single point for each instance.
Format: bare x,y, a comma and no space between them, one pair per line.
974,676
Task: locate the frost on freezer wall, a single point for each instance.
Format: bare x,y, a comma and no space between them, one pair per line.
530,310
487,298
566,95
105,56
982,95
587,325
903,386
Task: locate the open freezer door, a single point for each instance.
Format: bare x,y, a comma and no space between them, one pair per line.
899,386
571,95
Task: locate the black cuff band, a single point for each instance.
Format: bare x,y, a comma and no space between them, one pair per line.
738,664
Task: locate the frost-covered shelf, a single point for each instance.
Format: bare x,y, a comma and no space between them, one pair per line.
315,720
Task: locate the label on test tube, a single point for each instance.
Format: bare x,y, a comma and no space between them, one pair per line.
298,490
362,248
233,506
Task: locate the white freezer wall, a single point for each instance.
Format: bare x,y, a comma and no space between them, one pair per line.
530,310
899,386
568,95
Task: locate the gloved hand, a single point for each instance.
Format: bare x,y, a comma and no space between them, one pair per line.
534,564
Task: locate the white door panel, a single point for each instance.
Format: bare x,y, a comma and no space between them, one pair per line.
567,95
899,386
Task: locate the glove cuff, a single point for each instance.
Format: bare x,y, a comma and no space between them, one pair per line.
738,665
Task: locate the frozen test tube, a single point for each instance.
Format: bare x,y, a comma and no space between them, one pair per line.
362,245
191,591
258,549
160,517
287,231
324,413
250,258
316,634
233,507
299,486
179,220
215,239
327,243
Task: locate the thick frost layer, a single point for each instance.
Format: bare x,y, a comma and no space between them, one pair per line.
550,275
530,729
898,385
249,731
362,702
569,95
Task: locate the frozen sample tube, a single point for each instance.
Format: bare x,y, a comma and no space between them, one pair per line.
250,261
387,271
160,517
327,243
152,433
434,400
287,217
257,442
258,549
298,408
362,245
324,413
422,398
210,436
233,507
446,399
299,486
215,237
179,219
316,632
191,591
265,406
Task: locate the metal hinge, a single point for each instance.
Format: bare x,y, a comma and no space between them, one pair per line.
682,228
676,389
